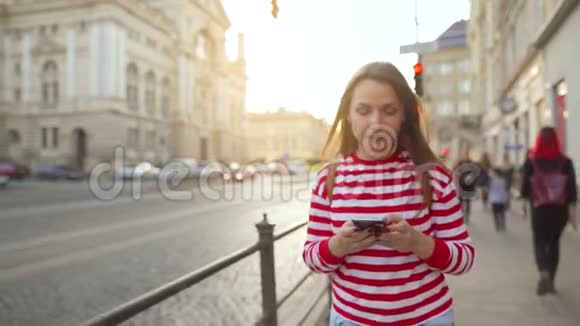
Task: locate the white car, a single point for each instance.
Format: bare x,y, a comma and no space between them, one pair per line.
143,170
4,179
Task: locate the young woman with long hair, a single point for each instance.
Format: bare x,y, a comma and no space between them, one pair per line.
391,269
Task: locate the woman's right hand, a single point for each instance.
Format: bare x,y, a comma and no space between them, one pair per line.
349,240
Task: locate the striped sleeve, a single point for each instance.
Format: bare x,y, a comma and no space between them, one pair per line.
454,251
316,253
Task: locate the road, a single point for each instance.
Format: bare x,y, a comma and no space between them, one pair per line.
66,255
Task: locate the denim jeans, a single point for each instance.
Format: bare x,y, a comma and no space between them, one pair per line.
447,319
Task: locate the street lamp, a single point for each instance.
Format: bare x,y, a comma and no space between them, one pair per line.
275,8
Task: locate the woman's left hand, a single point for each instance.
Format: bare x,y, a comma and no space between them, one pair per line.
400,235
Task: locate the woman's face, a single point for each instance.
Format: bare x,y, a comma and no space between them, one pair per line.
375,109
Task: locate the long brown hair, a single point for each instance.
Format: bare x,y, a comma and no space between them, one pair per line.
412,136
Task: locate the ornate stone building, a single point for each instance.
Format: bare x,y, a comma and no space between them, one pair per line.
80,77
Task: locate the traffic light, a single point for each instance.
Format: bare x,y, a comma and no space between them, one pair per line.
275,8
444,154
418,68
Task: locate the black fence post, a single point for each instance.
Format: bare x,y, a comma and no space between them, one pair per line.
329,285
267,272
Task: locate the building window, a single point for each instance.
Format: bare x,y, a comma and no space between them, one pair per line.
445,88
165,100
133,87
17,95
132,138
14,137
464,108
445,68
465,66
150,93
50,83
44,137
201,47
465,86
444,108
17,69
55,137
150,139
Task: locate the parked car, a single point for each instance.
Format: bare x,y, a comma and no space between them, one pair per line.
179,163
13,170
143,170
297,167
4,180
59,172
239,173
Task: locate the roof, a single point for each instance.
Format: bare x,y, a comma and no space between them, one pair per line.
454,36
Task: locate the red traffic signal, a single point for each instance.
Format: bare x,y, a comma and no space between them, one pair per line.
446,152
418,68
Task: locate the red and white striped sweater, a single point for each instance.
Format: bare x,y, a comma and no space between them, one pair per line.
380,285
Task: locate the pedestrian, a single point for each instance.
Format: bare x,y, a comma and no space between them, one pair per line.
549,186
508,171
385,220
485,165
498,197
465,174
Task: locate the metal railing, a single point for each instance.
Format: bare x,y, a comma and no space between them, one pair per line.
270,304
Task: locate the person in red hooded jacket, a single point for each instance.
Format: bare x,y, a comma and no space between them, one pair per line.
549,188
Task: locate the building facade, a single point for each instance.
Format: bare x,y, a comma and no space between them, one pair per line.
511,70
447,77
80,78
562,80
285,134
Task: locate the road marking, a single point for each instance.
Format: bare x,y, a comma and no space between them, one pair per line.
12,273
64,236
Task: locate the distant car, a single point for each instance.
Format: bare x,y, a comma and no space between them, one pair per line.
143,170
297,168
59,172
13,170
240,173
186,163
4,180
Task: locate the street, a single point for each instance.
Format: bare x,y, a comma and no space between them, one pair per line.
66,256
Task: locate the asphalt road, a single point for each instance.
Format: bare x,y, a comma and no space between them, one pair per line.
66,255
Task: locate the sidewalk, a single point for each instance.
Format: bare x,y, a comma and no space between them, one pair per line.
500,289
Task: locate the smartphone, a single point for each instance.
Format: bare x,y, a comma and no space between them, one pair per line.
374,225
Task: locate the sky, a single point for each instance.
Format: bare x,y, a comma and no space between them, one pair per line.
303,60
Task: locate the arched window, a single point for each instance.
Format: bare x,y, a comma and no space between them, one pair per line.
201,46
13,137
150,92
49,82
165,99
133,86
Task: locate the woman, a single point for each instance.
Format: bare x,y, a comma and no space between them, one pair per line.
549,187
498,197
392,274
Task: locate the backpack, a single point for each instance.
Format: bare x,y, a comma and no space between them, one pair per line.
549,188
424,181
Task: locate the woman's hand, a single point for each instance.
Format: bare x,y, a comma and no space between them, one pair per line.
349,240
400,235
403,237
